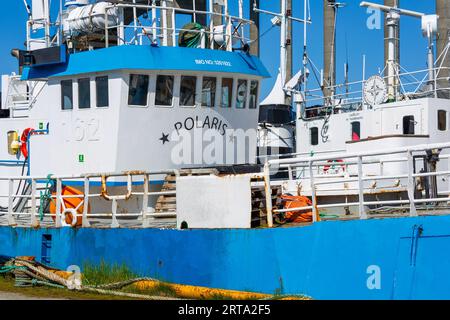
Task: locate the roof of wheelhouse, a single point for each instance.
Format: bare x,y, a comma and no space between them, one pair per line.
150,58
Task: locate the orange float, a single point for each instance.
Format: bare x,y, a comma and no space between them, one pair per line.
69,206
297,202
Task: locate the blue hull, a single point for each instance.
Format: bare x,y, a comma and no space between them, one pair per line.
327,260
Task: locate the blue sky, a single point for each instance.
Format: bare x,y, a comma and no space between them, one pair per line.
353,37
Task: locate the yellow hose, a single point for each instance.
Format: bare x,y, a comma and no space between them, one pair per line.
194,292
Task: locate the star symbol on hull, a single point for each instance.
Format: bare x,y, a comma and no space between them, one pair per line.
164,138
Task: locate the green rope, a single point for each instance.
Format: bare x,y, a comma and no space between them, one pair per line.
7,269
323,215
35,282
46,195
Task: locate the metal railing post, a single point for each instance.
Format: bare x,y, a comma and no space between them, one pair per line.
291,176
34,222
85,222
313,192
106,29
211,24
121,28
411,187
154,22
114,222
268,191
145,223
362,212
11,220
58,203
174,24
163,13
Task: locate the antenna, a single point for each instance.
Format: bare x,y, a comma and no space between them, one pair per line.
27,7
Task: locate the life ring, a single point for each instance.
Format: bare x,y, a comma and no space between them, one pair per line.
70,207
334,163
68,216
24,141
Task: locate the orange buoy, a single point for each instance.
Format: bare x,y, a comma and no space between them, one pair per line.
297,202
69,206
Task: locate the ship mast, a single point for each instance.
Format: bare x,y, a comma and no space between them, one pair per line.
443,11
283,19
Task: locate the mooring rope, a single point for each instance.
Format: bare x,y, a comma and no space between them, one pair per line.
32,273
41,275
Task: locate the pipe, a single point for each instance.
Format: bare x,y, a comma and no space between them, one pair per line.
194,292
392,24
391,3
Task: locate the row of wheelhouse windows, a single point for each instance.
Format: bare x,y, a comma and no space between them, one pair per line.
84,93
213,91
223,92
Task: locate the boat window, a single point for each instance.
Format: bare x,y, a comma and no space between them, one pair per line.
209,92
275,114
314,133
241,96
356,131
66,95
138,90
84,93
442,120
227,93
253,94
164,90
102,91
408,124
187,90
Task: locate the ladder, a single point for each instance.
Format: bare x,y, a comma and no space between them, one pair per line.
18,99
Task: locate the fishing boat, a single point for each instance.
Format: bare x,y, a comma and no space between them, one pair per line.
121,122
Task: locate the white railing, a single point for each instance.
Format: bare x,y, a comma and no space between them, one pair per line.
162,21
348,97
137,185
308,170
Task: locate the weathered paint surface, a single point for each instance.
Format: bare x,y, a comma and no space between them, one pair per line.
328,260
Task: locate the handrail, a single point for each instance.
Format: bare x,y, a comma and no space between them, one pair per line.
343,94
165,32
359,177
35,200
